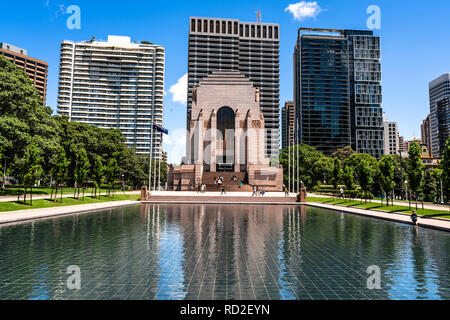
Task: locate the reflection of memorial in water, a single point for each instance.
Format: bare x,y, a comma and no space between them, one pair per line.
229,250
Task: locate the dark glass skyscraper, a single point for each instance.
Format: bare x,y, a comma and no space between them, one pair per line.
439,92
252,49
337,90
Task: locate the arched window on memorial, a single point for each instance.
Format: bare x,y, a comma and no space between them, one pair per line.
225,138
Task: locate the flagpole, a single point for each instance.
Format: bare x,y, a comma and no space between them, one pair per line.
298,162
154,175
159,166
150,156
289,160
293,151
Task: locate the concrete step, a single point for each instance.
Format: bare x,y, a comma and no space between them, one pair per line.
222,199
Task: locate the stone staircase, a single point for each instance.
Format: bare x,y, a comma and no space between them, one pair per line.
230,185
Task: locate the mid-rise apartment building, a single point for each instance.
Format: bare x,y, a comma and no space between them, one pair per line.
425,130
115,84
391,137
37,70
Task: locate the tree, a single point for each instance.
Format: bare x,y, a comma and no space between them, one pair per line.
437,175
445,166
337,171
400,165
23,120
415,169
97,173
1,167
348,179
307,157
365,177
59,171
430,189
386,169
111,173
32,169
81,169
343,153
323,170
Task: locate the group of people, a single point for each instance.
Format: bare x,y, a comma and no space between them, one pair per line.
257,192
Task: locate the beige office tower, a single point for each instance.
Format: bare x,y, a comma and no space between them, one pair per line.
391,137
115,84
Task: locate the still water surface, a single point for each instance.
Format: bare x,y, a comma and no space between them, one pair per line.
222,252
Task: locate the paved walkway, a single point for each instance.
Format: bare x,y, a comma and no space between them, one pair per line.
47,196
398,217
430,206
31,214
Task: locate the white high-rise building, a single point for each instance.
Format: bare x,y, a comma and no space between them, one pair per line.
114,84
391,137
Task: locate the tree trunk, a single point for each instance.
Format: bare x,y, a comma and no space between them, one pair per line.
4,175
31,197
25,196
62,188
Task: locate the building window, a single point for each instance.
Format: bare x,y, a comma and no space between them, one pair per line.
276,32
258,31
253,31
199,26
270,32
217,27
236,28
193,25
246,30
211,26
223,27
205,26
241,30
264,32
229,28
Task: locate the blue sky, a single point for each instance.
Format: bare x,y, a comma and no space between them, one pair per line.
414,36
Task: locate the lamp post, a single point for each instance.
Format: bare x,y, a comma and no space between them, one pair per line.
406,192
442,193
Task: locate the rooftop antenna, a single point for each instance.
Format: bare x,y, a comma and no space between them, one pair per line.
258,16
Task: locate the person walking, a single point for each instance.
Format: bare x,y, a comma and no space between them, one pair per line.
254,191
286,192
223,191
341,193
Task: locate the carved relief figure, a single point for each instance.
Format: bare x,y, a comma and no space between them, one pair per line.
257,95
194,94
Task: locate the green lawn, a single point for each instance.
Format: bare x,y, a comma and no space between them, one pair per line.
38,204
376,205
43,191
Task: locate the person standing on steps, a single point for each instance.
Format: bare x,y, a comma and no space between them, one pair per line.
223,191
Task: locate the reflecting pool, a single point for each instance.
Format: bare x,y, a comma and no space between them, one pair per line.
222,252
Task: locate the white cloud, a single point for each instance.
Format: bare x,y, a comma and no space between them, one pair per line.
304,10
179,90
175,145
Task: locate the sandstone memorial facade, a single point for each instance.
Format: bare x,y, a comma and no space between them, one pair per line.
226,138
